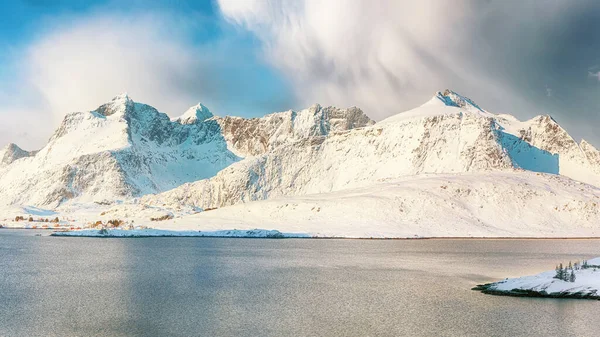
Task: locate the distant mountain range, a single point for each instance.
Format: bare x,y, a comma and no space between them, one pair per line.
128,153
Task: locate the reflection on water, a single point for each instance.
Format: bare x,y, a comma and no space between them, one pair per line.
55,286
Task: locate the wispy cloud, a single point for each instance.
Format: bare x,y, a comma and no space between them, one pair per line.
385,57
79,65
389,56
594,74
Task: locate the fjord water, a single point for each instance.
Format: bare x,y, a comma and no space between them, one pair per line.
52,286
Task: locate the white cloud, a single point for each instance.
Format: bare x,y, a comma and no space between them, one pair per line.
384,56
80,65
76,65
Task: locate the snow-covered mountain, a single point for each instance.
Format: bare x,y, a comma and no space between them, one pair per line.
448,134
491,175
125,149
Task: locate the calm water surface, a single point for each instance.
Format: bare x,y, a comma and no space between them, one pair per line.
251,287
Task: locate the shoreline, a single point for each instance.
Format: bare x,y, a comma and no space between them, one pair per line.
488,290
174,233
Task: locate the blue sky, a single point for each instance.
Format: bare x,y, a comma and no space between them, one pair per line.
252,57
22,20
26,21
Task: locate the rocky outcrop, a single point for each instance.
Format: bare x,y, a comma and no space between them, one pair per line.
251,137
10,153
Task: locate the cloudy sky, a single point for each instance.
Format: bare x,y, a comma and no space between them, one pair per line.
252,57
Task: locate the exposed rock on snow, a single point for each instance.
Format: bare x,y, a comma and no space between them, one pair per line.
256,136
10,153
585,286
450,98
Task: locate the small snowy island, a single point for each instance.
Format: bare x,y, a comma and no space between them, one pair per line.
578,280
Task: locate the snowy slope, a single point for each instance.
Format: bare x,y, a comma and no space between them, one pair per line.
136,233
557,152
484,204
498,204
448,134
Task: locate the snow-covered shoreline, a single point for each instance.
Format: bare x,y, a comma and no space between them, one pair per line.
585,285
121,233
152,232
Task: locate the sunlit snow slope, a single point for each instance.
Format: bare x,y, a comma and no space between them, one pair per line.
484,204
448,134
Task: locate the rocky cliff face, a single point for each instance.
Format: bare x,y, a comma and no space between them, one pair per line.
251,137
592,155
10,153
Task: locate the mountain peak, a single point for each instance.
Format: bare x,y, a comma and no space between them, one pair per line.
10,153
118,105
451,98
197,113
546,119
122,96
11,147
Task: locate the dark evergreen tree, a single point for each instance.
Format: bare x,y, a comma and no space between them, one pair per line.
560,272
572,276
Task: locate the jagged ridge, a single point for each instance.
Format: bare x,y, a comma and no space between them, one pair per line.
125,149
